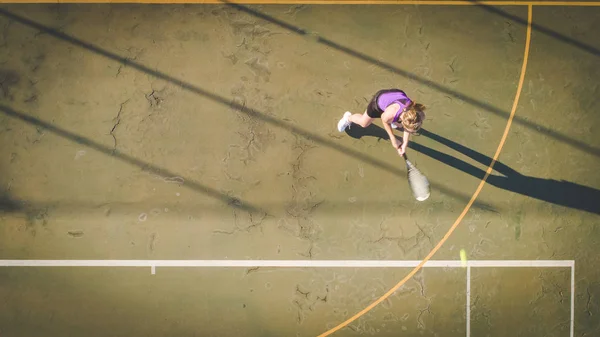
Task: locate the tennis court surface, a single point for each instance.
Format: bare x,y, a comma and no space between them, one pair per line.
175,170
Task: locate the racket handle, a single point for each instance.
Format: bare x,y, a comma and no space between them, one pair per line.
409,165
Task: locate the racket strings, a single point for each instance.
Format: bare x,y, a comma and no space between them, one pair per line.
418,182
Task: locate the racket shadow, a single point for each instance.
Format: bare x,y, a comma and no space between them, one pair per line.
558,192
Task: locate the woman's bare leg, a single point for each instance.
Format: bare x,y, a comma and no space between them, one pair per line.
363,120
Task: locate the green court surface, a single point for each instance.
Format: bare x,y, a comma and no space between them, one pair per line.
207,132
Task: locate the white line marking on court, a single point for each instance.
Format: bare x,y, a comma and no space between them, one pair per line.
468,301
315,264
572,299
285,263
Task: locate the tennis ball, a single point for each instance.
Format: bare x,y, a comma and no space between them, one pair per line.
463,257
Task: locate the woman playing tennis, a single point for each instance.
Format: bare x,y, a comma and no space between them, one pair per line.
392,106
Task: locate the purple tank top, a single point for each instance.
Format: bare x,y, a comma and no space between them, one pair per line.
386,99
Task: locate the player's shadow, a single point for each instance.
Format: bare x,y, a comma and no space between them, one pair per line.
559,192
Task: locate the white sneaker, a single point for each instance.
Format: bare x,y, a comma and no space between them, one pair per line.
394,126
344,122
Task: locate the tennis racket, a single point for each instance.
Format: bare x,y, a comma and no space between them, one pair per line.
417,181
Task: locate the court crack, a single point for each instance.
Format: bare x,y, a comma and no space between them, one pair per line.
305,301
304,202
255,222
117,121
419,278
589,300
154,99
309,254
420,323
406,244
251,270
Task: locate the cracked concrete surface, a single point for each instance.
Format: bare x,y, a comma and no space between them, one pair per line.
196,159
117,121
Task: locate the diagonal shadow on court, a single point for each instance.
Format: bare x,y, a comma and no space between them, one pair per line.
13,205
544,30
8,204
559,192
231,201
394,169
404,73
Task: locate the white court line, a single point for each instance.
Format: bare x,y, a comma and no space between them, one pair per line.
572,299
468,301
316,264
286,263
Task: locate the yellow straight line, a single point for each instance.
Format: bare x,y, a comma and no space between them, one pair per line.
468,206
334,2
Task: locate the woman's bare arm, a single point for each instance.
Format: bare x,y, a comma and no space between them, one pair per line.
387,117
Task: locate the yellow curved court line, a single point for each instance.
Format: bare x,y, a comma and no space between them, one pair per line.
468,206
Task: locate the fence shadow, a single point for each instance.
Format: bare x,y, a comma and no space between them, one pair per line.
231,201
441,88
544,30
241,108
